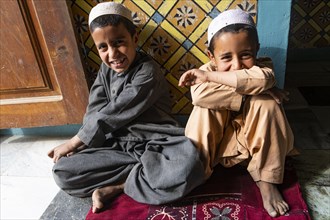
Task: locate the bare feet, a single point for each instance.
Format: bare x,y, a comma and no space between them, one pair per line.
102,195
272,199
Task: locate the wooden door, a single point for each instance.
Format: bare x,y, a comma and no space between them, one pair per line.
42,82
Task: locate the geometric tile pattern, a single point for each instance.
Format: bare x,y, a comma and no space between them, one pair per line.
310,24
172,32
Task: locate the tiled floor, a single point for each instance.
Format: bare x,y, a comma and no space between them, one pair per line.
27,187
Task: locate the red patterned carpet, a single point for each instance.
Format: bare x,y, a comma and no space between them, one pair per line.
229,194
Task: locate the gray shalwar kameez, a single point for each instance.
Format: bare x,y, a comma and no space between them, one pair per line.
132,138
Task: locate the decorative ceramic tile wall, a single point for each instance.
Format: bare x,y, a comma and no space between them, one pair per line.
173,32
310,24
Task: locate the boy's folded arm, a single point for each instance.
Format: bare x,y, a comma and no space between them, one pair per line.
252,81
215,96
257,79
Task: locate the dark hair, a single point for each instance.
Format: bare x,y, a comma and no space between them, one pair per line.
234,28
113,20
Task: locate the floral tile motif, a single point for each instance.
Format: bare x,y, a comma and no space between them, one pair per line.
310,24
172,32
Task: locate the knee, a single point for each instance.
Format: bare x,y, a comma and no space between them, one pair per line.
263,103
61,176
64,177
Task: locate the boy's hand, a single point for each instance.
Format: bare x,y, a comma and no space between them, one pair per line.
66,149
60,151
192,77
278,94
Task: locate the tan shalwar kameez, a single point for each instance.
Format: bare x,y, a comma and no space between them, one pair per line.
231,125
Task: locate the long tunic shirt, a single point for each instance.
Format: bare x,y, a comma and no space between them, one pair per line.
132,105
132,138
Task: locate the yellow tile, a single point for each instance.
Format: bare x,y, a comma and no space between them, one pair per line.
327,29
175,57
145,7
147,31
200,30
83,4
94,57
199,54
180,104
299,25
89,43
173,31
223,5
316,38
315,25
317,8
299,10
204,5
166,7
171,79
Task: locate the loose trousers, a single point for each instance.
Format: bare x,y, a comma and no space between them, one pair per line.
154,171
259,134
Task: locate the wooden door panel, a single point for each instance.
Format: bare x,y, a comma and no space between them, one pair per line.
16,44
24,72
42,81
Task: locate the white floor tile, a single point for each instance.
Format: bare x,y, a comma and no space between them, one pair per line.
27,156
27,185
26,197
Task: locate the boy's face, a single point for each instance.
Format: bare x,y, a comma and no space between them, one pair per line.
116,46
234,51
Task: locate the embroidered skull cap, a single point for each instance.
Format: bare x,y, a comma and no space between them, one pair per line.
226,18
108,8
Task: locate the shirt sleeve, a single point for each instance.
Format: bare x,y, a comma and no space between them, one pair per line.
251,81
257,79
215,96
139,94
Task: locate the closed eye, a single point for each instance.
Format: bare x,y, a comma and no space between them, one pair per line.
246,55
226,58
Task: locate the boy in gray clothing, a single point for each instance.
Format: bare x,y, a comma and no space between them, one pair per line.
128,141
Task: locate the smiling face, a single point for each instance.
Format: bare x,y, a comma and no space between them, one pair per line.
116,46
234,51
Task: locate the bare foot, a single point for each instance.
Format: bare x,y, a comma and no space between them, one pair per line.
102,195
272,199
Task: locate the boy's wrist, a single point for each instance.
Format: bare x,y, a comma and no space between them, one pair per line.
207,76
75,142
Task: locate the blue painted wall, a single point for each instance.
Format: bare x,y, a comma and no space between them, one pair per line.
273,22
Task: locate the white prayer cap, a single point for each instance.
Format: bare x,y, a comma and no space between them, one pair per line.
108,8
226,18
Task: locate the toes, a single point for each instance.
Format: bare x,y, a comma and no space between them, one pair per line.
97,203
272,213
283,208
97,206
286,205
94,209
272,210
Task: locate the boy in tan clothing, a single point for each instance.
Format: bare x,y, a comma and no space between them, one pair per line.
237,114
